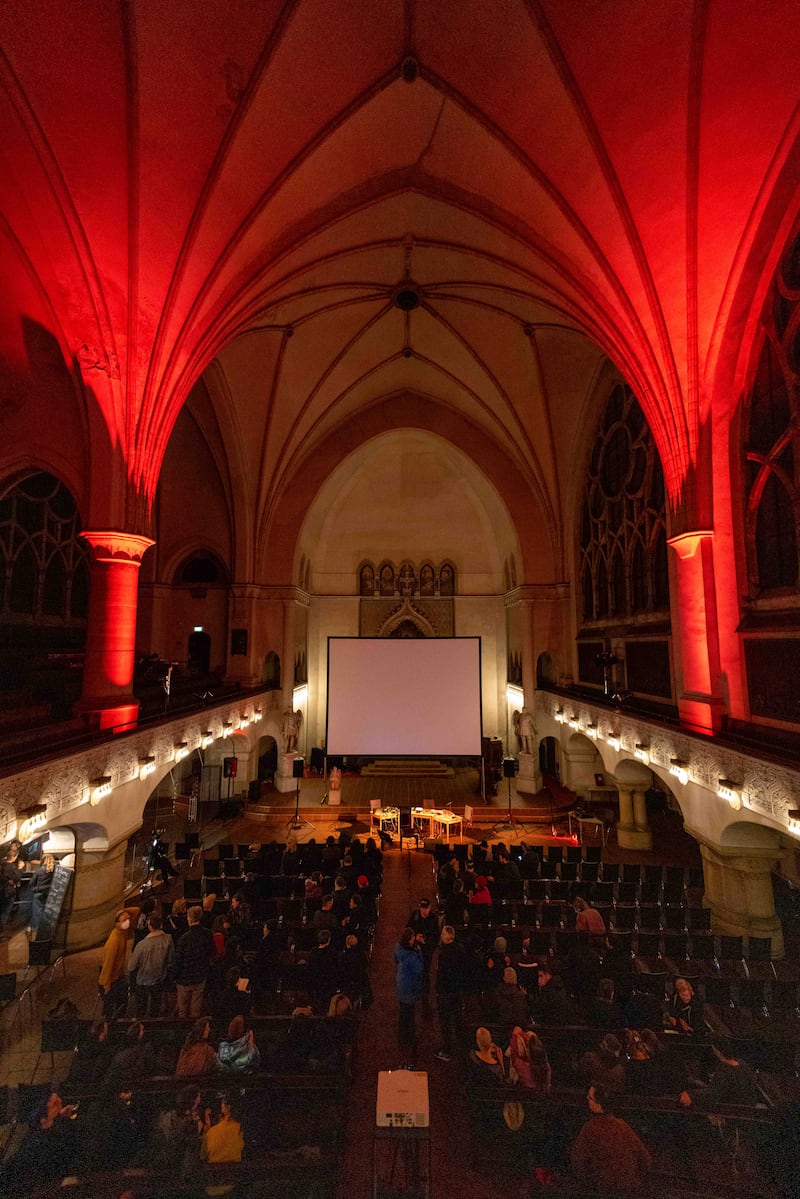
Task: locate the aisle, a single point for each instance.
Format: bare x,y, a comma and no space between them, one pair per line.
407,878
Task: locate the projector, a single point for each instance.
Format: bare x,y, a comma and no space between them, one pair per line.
402,1099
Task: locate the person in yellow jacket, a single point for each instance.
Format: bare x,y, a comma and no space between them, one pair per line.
222,1142
113,982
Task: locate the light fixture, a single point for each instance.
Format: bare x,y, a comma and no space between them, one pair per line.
99,788
591,730
573,720
613,739
677,766
181,750
146,766
244,721
726,789
514,694
559,716
35,819
300,694
642,752
227,728
206,739
258,714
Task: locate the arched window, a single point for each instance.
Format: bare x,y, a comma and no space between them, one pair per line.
203,568
387,579
427,580
366,579
447,579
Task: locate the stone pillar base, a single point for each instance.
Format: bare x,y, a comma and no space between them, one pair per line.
284,779
634,838
529,780
739,893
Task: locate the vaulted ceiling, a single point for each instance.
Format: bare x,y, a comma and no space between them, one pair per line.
349,215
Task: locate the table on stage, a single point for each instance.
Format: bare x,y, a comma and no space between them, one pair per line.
388,819
436,822
594,822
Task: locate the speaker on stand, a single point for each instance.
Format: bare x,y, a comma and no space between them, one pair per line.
298,772
510,824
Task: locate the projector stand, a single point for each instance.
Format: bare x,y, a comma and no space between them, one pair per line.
298,821
510,824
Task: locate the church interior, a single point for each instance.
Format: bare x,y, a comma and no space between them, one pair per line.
408,321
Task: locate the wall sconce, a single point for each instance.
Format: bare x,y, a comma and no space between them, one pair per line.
613,740
591,730
730,791
677,766
559,716
794,820
258,715
99,788
181,750
642,752
206,739
227,728
146,766
243,721
36,819
573,721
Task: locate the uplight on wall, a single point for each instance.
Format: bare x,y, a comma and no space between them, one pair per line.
613,740
181,750
573,721
591,730
258,715
514,694
559,716
227,728
146,766
206,739
300,694
794,820
35,820
726,789
99,788
244,721
642,752
678,767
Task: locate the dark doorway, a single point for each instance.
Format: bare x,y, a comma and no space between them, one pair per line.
199,653
548,756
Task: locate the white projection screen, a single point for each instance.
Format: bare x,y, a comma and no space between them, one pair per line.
402,698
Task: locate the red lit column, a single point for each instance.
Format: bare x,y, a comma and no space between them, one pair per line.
107,699
699,701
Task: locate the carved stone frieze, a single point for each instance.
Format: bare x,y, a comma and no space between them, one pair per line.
434,617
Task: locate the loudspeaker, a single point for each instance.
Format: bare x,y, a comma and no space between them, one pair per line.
229,768
298,768
510,767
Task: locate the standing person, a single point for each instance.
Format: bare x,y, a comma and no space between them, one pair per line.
410,970
192,963
42,880
607,1156
112,983
426,925
449,985
10,874
150,967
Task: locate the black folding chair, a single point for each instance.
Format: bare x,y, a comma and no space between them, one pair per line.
192,888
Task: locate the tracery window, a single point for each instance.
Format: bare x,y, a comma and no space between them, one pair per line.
623,547
44,565
772,443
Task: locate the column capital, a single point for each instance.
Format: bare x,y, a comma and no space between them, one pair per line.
114,545
686,545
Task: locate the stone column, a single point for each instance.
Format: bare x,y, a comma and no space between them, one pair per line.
633,829
699,702
283,777
98,887
738,890
529,779
107,700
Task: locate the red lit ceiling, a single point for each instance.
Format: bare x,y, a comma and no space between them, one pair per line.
249,184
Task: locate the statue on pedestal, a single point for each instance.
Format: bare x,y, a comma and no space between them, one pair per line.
525,730
290,730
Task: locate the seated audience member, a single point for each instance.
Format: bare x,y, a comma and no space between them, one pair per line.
234,999
134,1062
373,861
341,897
366,893
223,1141
664,1073
91,1061
607,1157
325,917
178,1133
487,1063
495,963
355,921
456,906
550,1003
685,1009
353,974
731,1081
605,1065
528,1057
239,1051
48,1152
239,915
529,866
299,1045
644,1009
603,1011
508,1002
588,919
445,880
323,971
582,970
197,1056
481,900
313,887
116,1124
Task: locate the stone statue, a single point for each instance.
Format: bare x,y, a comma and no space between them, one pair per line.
335,778
525,730
290,729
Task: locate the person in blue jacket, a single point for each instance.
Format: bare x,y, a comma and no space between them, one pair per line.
410,970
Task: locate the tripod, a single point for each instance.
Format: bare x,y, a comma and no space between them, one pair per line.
298,821
510,823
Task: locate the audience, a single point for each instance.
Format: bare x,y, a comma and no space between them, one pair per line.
607,1156
239,1051
197,1056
